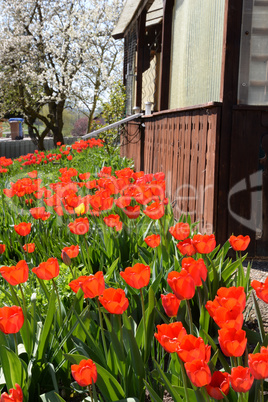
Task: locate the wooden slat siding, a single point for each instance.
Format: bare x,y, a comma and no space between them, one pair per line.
183,144
210,172
181,154
193,189
186,165
175,146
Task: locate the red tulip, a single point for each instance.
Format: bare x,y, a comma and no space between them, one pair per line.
29,247
218,385
11,319
80,226
2,248
198,373
230,297
84,176
155,211
186,247
261,289
170,335
197,269
16,274
132,212
94,285
192,348
170,304
33,174
182,284
48,269
241,379
114,301
204,244
23,228
258,364
76,284
180,231
72,251
85,372
15,395
111,220
239,243
152,240
40,213
137,276
232,342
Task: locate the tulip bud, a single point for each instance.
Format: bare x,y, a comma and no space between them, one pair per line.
66,259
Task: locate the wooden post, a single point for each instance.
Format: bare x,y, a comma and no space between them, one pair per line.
165,54
229,89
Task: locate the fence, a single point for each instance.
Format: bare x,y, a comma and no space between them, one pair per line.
14,149
184,145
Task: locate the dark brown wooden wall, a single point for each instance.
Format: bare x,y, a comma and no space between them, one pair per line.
184,145
248,194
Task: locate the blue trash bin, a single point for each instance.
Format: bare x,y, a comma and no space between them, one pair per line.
16,127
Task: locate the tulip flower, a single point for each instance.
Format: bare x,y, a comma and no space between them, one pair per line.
85,372
40,213
182,284
23,228
16,274
111,220
132,212
137,276
84,176
261,289
258,364
11,319
197,269
72,251
94,285
152,240
192,348
180,231
47,270
29,247
114,300
75,285
80,226
186,247
241,379
218,385
239,243
2,248
232,342
170,335
170,304
155,210
15,395
204,244
198,372
233,296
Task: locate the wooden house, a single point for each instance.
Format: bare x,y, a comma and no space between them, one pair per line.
203,64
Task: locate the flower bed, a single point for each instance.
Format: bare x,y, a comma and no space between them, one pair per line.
105,297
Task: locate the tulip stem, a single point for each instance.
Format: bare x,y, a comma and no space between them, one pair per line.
58,297
189,316
184,379
25,319
261,392
90,393
144,321
102,330
15,343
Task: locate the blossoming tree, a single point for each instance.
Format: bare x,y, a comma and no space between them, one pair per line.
55,52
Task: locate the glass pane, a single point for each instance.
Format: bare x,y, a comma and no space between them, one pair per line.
253,71
196,56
